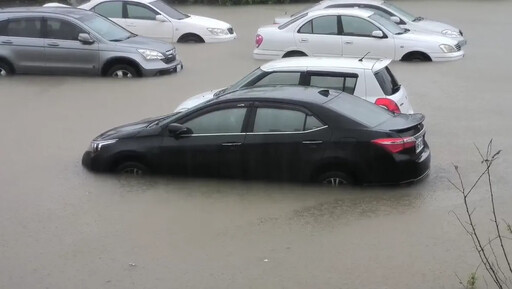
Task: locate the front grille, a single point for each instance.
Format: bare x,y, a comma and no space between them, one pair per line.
169,59
457,46
230,30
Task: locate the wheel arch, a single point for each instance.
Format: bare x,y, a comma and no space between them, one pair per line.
408,54
8,63
117,60
190,34
128,156
335,165
294,50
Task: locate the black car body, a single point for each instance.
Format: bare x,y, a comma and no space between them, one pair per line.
282,133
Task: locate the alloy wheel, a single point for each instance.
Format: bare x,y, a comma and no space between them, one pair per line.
335,182
122,74
3,72
132,171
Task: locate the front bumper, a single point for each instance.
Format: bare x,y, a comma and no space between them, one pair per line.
161,68
221,38
92,162
441,56
262,54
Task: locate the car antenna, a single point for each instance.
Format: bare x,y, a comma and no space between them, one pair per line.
361,59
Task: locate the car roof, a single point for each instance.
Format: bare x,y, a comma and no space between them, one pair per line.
329,2
95,2
344,11
325,62
282,93
67,11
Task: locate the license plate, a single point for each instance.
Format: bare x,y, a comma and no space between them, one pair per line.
419,144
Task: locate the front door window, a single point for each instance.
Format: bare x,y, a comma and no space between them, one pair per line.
218,122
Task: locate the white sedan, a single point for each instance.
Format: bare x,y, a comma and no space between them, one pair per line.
369,79
352,33
387,10
156,19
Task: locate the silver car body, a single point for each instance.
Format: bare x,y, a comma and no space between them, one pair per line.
42,54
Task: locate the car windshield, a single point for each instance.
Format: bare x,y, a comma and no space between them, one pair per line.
388,24
106,28
400,12
359,109
242,82
168,10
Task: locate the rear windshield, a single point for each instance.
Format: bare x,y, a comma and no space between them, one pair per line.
359,109
291,21
387,81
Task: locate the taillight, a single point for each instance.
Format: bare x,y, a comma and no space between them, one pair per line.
388,104
395,145
259,40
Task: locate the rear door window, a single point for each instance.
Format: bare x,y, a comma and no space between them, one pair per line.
321,25
110,9
22,27
274,120
344,82
387,81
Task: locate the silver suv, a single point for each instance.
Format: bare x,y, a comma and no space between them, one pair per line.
67,41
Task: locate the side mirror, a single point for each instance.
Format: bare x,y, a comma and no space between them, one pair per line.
176,130
377,34
395,19
160,18
85,38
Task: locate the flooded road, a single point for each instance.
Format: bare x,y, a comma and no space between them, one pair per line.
63,227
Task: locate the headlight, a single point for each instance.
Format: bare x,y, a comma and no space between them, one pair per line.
446,48
172,51
450,33
97,144
218,31
151,54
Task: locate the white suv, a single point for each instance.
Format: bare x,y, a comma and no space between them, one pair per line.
369,79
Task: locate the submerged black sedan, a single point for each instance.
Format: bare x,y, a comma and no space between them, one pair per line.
280,133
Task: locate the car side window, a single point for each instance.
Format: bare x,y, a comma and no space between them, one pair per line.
344,83
321,25
110,9
22,27
355,26
63,30
140,12
280,78
221,121
312,123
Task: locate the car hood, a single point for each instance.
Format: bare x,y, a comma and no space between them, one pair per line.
196,99
206,22
434,26
146,43
420,36
128,130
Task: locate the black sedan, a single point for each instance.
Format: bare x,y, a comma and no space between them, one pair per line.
280,133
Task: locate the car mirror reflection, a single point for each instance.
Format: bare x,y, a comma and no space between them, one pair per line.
85,38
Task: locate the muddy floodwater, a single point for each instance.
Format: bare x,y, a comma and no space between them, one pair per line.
64,227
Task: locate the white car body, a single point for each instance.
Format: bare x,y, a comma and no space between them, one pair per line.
385,9
333,69
153,21
372,34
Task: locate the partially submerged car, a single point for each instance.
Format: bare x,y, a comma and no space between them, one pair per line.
46,40
368,79
303,134
387,10
352,33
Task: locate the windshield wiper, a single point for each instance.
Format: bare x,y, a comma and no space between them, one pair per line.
418,19
403,31
123,39
220,92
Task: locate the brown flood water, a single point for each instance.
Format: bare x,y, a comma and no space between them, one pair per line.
63,227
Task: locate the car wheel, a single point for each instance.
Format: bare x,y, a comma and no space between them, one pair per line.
294,54
132,168
191,38
335,179
417,57
5,70
122,71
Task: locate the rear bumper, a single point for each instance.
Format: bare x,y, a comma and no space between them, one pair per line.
447,56
266,54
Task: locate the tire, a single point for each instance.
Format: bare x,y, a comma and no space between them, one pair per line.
5,69
335,179
132,168
294,54
417,57
122,71
191,38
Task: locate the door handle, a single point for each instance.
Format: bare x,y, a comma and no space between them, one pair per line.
312,142
7,42
52,44
231,143
304,40
349,42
